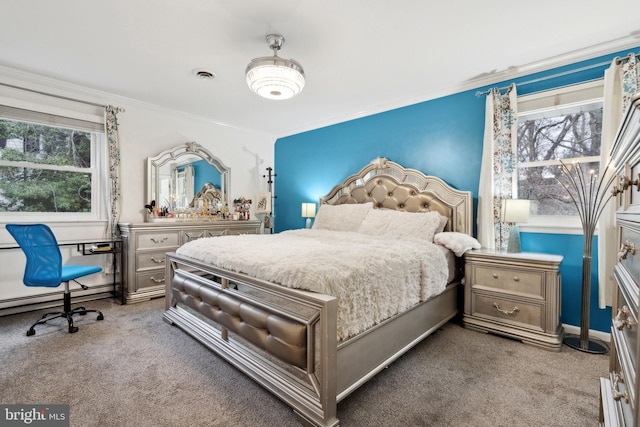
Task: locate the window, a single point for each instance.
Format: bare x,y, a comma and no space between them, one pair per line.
50,165
562,125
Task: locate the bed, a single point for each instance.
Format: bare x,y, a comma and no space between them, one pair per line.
296,327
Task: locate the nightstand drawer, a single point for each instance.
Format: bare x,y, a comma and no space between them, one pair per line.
510,280
523,314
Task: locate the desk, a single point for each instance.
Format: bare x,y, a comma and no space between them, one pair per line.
115,249
84,247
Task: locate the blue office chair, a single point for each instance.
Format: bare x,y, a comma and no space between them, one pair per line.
44,268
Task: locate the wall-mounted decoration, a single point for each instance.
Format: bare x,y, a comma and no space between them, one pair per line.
263,203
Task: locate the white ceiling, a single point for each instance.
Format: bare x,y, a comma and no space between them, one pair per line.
360,56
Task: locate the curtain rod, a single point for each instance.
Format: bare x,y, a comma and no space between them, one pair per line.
564,73
121,110
626,58
552,76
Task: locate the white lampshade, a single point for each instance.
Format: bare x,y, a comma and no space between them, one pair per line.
515,210
308,211
273,77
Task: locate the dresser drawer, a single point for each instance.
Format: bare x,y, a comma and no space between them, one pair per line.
151,259
505,310
629,252
242,230
157,240
189,235
510,280
623,380
150,279
625,336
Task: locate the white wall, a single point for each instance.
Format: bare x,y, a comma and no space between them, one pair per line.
144,131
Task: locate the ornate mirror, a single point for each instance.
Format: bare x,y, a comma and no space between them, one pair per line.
180,175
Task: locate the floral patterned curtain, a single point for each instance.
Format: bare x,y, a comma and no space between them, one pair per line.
620,84
498,163
113,149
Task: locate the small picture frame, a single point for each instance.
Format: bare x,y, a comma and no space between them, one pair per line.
263,203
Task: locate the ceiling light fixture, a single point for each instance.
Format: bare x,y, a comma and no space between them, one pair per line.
273,77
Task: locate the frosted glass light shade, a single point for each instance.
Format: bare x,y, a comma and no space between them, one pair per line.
275,78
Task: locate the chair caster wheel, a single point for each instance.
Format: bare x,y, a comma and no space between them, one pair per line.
100,317
73,329
31,332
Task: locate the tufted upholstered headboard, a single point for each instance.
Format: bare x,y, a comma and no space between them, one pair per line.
391,186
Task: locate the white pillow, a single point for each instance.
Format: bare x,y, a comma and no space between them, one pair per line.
347,217
402,225
458,243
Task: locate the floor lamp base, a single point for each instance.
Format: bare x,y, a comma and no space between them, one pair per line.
593,346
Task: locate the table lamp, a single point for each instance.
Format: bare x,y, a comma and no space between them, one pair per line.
515,211
308,211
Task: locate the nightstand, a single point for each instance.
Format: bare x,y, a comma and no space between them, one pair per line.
514,294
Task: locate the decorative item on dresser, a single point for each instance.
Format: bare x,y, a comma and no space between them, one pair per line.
514,294
145,245
620,393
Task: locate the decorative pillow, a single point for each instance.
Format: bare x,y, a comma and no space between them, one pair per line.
347,217
458,243
402,225
443,223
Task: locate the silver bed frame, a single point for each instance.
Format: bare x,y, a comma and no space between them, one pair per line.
253,324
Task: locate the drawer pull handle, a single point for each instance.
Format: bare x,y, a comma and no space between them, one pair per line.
153,279
626,182
157,261
516,279
495,275
616,393
624,318
154,240
627,248
506,312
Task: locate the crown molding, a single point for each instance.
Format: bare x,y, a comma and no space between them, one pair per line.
632,40
63,89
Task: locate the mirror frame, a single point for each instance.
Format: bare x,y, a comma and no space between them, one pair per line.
173,155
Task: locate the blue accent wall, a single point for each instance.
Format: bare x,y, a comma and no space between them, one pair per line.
441,137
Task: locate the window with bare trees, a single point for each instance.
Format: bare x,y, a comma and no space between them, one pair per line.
563,125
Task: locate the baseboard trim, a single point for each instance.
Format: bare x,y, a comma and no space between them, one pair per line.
575,330
53,299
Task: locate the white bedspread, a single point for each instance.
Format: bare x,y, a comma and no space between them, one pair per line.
372,278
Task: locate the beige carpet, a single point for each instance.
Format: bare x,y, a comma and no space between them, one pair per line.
133,369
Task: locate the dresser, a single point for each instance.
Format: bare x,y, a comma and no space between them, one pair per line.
145,245
514,294
619,391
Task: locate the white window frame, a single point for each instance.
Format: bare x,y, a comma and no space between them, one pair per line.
552,102
99,188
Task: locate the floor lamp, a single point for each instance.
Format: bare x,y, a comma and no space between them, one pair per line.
589,194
